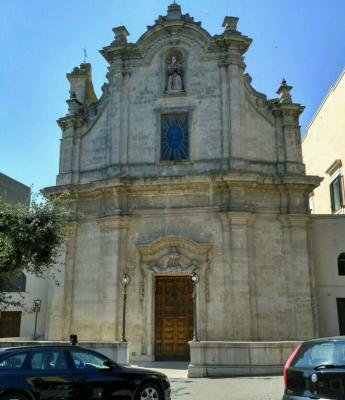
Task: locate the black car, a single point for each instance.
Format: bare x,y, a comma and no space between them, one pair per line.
316,370
74,373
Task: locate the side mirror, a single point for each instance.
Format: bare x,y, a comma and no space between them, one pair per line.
110,364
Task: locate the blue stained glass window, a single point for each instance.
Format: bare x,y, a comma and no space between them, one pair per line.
174,137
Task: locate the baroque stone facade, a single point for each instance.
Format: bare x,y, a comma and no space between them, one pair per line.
223,192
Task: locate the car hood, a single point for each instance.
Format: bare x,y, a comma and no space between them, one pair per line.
138,370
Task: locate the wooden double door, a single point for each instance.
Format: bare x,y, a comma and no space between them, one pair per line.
173,317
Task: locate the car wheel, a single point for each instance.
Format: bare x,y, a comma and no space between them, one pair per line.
13,396
150,391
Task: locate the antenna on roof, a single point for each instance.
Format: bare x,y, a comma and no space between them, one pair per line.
85,55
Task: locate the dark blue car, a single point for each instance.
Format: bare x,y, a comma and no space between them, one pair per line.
74,373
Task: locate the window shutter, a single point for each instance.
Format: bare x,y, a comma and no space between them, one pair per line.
332,197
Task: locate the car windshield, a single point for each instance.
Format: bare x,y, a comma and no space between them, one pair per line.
318,354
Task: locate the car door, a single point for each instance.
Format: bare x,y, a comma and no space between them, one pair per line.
12,374
47,371
98,381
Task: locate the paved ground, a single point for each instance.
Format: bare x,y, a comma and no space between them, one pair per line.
183,388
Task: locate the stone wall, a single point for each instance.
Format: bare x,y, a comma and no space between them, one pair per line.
217,359
256,272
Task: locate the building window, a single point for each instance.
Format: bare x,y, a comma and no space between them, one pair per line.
336,192
174,137
341,315
341,264
17,283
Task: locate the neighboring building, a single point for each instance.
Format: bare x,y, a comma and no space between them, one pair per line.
15,322
324,151
324,155
13,191
182,167
328,241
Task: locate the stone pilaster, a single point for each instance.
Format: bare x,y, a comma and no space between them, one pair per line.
288,130
299,285
107,285
289,277
235,82
68,298
228,311
70,149
226,138
56,287
243,281
124,118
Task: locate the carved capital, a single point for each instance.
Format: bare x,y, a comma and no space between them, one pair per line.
117,222
241,218
294,220
70,123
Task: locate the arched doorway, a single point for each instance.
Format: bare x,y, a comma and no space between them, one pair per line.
166,266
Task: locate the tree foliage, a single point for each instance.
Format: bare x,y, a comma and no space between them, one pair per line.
30,239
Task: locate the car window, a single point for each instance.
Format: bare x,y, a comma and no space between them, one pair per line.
13,362
313,354
43,360
87,360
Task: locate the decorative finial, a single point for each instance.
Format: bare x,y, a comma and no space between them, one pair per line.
85,55
284,92
174,11
121,34
230,24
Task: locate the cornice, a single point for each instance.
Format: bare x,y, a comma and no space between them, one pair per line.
191,184
287,109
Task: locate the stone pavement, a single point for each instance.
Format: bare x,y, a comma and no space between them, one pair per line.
242,388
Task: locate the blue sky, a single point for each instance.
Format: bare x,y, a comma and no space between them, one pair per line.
41,40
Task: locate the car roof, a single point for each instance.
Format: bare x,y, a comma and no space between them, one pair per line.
327,339
38,347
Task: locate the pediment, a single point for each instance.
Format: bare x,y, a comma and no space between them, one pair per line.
174,250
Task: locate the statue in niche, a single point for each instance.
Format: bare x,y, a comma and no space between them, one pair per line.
175,75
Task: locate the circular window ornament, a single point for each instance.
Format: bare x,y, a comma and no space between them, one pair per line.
174,137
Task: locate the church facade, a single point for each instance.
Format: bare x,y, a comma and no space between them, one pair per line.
181,167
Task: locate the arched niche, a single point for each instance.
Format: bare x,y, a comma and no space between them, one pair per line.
174,71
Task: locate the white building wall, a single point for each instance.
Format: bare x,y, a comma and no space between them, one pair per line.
36,288
328,241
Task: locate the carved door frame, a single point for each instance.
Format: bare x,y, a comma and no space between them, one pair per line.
171,255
